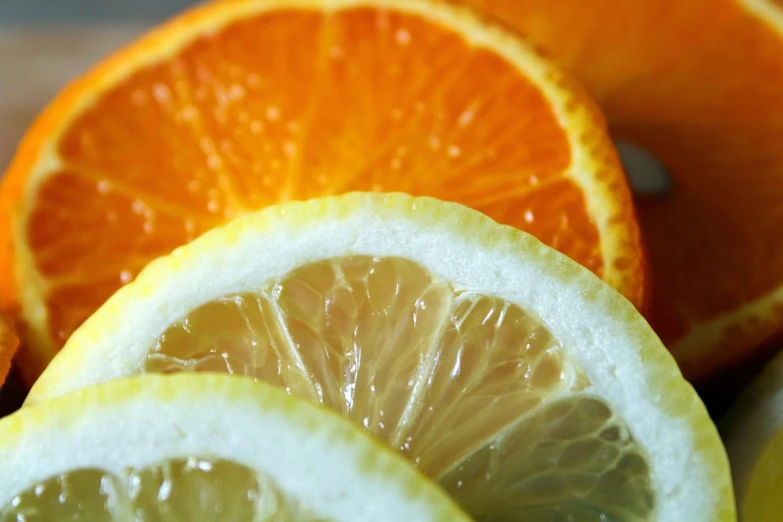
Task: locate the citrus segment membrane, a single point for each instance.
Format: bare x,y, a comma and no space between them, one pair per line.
174,490
471,388
572,457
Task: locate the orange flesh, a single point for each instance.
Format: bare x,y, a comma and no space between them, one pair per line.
698,84
472,389
359,99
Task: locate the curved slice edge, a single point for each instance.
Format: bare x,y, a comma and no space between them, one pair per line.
313,455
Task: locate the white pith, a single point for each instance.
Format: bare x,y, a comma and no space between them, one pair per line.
599,330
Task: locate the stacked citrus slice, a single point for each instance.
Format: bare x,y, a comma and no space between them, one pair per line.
698,85
522,383
753,430
237,105
220,449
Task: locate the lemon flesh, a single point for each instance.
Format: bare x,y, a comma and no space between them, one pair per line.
174,490
471,388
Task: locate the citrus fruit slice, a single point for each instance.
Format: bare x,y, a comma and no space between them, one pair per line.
201,121
698,85
8,345
510,373
202,447
753,431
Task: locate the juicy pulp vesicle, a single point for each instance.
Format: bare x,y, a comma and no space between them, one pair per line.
175,490
472,389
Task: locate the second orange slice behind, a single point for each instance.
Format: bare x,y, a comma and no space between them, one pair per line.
699,86
238,105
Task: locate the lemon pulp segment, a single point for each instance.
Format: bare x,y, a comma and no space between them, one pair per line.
175,490
475,391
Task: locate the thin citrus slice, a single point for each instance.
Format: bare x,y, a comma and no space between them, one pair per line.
237,105
525,385
699,85
202,447
8,345
753,431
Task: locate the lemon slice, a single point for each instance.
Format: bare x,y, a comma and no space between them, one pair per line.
514,376
753,430
201,447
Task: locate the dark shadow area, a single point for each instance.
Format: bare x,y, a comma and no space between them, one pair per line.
12,394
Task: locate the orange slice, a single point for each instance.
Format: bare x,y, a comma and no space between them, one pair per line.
237,105
698,85
8,344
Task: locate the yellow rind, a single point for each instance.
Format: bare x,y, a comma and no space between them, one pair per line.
79,407
661,376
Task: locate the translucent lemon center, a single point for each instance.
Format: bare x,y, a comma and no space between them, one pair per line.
173,491
475,391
